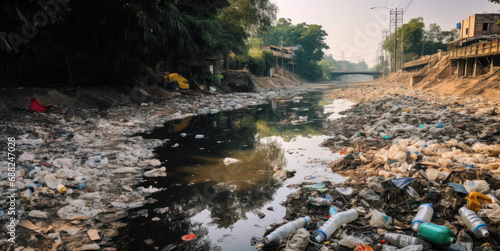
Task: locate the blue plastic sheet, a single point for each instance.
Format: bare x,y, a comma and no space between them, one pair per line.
458,188
402,182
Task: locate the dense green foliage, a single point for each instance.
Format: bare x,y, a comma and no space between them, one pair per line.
111,41
257,61
309,40
417,41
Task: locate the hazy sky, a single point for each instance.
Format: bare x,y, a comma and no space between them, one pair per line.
356,29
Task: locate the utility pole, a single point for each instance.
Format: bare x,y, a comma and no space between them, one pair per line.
281,48
402,42
343,61
396,20
395,13
423,46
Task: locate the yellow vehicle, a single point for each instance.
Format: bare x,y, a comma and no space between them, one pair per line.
177,126
181,81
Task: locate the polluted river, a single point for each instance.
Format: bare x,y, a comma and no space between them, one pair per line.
221,171
221,184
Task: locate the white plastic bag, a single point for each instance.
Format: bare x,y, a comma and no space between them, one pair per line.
51,181
492,214
227,161
369,194
479,186
350,241
380,220
299,241
434,174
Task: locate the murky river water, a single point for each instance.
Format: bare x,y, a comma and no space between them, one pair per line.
221,203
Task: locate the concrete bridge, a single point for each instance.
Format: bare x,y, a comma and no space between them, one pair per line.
375,74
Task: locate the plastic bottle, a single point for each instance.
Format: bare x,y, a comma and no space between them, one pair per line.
282,232
401,240
61,188
319,201
96,202
424,214
334,223
436,234
51,181
474,223
333,211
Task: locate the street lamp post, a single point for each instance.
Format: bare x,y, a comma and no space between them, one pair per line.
390,12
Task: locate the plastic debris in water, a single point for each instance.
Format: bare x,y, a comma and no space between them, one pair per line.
188,237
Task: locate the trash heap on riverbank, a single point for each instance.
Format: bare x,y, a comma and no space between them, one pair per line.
404,155
77,175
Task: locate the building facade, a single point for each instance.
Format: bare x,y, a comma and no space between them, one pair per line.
479,25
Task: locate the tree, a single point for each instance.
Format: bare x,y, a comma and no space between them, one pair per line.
435,34
494,1
450,35
104,41
242,17
415,36
412,40
250,14
310,37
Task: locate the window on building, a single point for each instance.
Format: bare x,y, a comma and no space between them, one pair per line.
466,31
485,27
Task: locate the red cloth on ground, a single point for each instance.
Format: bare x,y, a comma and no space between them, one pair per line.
37,107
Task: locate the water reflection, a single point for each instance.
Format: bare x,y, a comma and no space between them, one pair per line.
202,188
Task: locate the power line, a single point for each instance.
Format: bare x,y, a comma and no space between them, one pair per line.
408,6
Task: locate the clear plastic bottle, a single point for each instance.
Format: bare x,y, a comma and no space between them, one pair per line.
282,232
334,223
319,201
401,240
424,214
474,223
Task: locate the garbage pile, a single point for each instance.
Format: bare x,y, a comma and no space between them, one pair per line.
421,177
77,173
409,117
389,214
